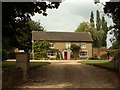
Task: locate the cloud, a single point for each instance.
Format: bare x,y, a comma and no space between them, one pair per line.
68,16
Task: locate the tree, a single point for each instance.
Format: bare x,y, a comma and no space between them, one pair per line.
98,21
35,26
75,49
112,9
40,49
92,18
96,35
105,29
83,27
15,12
24,33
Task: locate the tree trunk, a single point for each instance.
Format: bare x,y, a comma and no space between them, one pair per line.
118,69
118,65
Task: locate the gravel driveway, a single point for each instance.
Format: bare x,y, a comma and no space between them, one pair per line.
70,74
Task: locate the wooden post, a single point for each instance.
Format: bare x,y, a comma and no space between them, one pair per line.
22,61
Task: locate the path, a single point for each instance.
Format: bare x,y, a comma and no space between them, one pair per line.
70,74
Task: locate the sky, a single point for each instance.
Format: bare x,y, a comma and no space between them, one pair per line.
70,14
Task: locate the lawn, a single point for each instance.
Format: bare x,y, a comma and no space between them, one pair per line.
100,63
11,64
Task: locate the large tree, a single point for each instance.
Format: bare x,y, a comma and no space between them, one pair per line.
24,33
105,29
92,18
83,27
98,21
15,12
112,9
96,35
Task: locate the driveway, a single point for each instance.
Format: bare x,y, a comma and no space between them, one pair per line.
71,74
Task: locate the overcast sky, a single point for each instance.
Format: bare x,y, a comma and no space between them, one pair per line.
69,15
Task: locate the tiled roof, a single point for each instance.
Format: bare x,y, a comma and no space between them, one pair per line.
62,36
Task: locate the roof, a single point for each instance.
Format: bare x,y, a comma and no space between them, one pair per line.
62,36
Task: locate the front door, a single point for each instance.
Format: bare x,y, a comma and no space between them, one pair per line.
65,55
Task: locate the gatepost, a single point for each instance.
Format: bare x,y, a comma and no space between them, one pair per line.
22,61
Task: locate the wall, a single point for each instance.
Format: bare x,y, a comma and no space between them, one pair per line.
11,77
99,51
89,48
60,45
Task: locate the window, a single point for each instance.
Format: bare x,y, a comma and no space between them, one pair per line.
68,45
83,53
51,53
83,45
51,45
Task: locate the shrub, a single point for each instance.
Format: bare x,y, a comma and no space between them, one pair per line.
4,55
103,57
112,52
95,57
40,49
75,49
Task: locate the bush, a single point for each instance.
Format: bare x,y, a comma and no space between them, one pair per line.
40,49
75,49
12,55
95,57
112,52
4,55
103,57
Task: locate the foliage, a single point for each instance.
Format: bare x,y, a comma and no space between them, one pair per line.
83,27
105,29
24,33
112,9
4,55
98,21
112,52
17,12
92,18
114,45
104,57
40,49
75,50
98,33
95,57
35,26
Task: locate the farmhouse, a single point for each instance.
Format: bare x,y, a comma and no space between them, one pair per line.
63,40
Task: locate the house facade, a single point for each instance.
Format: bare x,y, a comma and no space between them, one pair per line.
63,40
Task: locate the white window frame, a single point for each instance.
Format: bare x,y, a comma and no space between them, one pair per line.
83,55
83,45
67,45
52,45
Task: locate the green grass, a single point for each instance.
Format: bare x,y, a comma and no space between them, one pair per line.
100,63
12,64
38,64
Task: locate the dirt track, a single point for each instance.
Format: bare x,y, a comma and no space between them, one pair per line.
71,75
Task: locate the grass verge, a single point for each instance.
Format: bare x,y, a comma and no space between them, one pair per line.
12,64
100,63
